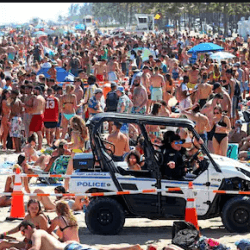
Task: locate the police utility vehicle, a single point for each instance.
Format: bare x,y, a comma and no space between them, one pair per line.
97,172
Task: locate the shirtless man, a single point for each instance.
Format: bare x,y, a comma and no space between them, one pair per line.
202,124
28,105
245,77
120,141
140,97
208,111
226,103
146,82
157,83
100,70
79,95
43,240
36,123
15,120
204,90
113,69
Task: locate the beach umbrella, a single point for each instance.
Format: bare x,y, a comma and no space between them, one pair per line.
222,55
39,33
39,26
145,53
48,51
60,76
205,47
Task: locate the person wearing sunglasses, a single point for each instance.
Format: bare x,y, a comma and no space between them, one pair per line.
222,126
173,166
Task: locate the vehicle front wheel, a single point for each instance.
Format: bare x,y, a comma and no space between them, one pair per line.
104,216
236,214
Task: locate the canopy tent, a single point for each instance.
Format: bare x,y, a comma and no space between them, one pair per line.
205,47
80,27
39,33
60,76
221,55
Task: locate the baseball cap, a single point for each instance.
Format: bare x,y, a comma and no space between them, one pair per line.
239,122
113,84
237,64
145,67
98,90
216,85
120,88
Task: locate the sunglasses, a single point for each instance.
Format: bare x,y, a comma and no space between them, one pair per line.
216,113
178,142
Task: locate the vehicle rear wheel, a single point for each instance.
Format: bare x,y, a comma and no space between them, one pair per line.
236,214
104,216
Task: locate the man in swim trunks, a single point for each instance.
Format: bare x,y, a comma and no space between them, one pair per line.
36,123
157,82
15,120
100,70
40,239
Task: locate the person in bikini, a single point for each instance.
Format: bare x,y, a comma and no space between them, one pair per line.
168,90
79,135
68,108
221,126
36,123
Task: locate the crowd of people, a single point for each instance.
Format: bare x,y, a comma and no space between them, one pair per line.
169,82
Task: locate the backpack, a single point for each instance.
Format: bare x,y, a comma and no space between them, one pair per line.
184,235
237,90
111,101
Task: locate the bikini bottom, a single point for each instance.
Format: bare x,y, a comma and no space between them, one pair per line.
219,136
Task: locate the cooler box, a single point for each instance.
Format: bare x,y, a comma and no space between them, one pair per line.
83,161
232,150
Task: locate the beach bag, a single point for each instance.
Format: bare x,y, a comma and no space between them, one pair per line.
185,235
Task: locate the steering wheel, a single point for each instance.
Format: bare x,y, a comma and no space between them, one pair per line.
194,156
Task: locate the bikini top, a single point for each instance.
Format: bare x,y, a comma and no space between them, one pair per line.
62,229
222,123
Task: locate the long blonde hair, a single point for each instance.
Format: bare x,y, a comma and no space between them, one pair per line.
63,209
69,89
78,124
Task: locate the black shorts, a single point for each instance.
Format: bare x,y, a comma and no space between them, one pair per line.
50,124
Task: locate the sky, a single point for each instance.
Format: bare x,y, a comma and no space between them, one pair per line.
24,12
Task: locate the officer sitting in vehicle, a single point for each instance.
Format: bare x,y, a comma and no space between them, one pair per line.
173,164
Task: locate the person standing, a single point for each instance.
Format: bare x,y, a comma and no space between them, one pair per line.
140,98
94,104
36,123
51,115
79,95
16,120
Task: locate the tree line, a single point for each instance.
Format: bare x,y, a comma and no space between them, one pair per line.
217,14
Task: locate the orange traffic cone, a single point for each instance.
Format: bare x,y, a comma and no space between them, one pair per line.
191,213
17,210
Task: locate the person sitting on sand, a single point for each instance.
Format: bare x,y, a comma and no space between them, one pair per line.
34,216
75,203
43,240
30,153
5,201
67,223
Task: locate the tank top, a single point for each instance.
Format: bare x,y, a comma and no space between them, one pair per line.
51,112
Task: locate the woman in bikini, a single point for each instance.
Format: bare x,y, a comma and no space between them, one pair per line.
68,107
221,128
67,223
216,73
79,134
169,88
5,111
36,216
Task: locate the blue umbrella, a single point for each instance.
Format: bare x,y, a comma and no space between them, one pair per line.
80,26
205,47
169,26
60,76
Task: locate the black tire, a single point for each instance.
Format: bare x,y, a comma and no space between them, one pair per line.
104,216
236,214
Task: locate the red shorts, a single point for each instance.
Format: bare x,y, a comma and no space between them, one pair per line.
36,123
100,78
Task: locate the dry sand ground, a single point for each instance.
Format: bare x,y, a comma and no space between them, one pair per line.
136,231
